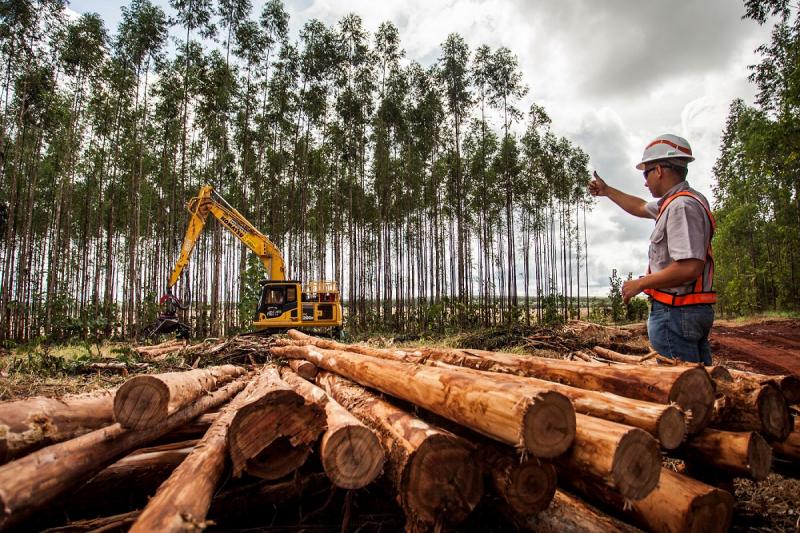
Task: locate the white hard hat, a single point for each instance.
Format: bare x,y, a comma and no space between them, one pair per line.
667,146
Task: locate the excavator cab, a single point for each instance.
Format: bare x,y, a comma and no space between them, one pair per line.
291,304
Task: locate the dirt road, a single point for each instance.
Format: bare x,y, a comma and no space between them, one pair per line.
769,347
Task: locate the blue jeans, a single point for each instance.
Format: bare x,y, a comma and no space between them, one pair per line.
681,332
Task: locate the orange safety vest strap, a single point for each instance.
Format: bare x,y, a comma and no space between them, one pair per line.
697,296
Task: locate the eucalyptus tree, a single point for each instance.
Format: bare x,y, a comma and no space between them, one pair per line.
455,77
192,15
388,54
481,75
83,49
354,106
140,37
506,86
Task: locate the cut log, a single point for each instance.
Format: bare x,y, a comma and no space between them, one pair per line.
29,424
432,471
618,456
303,368
195,429
790,447
253,497
272,434
128,482
568,514
351,453
743,454
665,422
789,384
527,486
689,387
533,418
144,400
758,407
182,501
678,504
106,523
32,482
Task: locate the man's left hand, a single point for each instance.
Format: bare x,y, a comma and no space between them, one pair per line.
631,288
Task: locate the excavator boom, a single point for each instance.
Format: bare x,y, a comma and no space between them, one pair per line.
209,201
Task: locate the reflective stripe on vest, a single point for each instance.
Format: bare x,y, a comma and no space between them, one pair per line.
697,296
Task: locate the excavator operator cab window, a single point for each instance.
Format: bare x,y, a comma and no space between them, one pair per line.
275,296
280,294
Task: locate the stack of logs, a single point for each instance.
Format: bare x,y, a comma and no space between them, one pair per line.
444,426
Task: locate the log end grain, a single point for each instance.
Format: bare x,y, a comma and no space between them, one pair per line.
304,369
275,431
278,460
636,466
548,425
352,456
530,487
672,428
141,401
790,386
773,410
711,513
694,392
441,478
759,457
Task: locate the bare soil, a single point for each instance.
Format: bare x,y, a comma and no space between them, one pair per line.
768,347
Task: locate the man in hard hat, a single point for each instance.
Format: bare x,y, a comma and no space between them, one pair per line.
681,267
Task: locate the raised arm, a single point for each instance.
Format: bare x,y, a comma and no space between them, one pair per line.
632,204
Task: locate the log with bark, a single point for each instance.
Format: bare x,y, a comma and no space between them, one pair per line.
678,504
789,384
129,482
789,448
531,417
615,455
33,481
194,429
432,471
689,387
569,514
665,422
251,498
29,424
526,485
303,368
118,522
272,434
747,406
182,501
144,400
739,453
350,452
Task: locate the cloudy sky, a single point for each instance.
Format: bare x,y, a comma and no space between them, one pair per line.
611,74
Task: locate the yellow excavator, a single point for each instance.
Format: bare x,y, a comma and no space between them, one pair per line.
283,303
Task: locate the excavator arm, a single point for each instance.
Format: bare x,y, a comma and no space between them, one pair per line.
209,201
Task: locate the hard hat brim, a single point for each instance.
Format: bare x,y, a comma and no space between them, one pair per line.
678,155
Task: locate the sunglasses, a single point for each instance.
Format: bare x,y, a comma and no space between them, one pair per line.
649,170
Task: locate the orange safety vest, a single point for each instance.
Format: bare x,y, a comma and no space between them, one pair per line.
697,296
